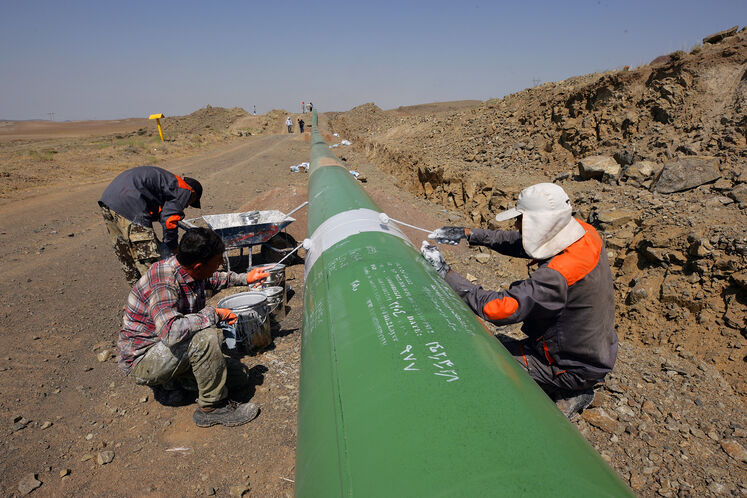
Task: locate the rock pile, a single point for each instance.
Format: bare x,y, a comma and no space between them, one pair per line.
654,157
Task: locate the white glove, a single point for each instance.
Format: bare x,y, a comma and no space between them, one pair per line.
448,235
433,256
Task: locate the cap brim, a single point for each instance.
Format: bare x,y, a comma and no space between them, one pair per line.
508,214
196,204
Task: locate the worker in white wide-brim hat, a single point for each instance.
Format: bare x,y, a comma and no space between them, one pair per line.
567,304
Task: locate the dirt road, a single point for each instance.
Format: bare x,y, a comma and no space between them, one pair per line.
62,305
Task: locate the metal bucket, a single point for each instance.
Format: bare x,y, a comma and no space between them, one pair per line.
277,275
276,278
252,327
275,303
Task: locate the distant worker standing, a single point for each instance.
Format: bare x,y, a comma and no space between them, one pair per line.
311,107
303,107
567,305
301,124
289,124
132,202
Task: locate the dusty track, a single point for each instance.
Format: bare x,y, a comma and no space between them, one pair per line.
62,303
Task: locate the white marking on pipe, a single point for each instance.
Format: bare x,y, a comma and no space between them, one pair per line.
343,225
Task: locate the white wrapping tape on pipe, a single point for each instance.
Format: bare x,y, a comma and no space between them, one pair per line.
341,226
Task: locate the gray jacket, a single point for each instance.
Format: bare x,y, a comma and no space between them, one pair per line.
567,305
146,194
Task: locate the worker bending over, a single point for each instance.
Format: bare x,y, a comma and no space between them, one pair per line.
567,304
169,340
132,202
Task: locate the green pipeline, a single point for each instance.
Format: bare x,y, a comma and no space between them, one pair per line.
403,391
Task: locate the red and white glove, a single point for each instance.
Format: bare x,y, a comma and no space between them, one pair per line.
226,315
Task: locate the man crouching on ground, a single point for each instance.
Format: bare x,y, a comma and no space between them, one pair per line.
169,340
567,305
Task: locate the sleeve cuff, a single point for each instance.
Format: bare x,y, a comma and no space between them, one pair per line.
208,312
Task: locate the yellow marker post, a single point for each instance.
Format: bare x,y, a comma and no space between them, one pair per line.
158,117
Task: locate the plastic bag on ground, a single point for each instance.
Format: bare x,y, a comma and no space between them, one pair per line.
297,167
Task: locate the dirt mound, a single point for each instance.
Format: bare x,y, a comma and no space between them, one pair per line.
206,120
654,157
434,107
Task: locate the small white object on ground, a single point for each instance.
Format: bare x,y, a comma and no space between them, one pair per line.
297,167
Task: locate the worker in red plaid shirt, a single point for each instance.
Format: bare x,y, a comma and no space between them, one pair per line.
169,339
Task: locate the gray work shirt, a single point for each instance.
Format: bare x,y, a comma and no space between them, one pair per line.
146,194
567,305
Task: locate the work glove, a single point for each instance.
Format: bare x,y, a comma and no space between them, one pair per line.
434,257
226,315
256,275
448,235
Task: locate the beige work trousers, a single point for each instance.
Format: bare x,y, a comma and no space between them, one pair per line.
136,246
195,363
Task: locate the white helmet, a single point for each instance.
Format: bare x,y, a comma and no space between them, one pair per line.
547,225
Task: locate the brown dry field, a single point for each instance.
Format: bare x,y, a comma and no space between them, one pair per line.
15,130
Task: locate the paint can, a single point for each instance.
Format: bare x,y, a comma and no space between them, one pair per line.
277,275
275,303
252,327
276,278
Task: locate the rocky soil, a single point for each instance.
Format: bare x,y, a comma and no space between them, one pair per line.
654,157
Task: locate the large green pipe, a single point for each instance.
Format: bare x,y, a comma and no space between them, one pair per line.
403,392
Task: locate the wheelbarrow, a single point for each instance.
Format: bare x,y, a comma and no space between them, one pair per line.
248,229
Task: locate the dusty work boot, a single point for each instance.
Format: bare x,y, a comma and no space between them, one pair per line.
573,402
173,397
229,414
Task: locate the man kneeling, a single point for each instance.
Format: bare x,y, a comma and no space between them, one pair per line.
169,340
567,305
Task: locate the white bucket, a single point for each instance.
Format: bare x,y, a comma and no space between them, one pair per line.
252,326
275,302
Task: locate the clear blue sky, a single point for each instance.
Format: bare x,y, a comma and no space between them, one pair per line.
112,59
